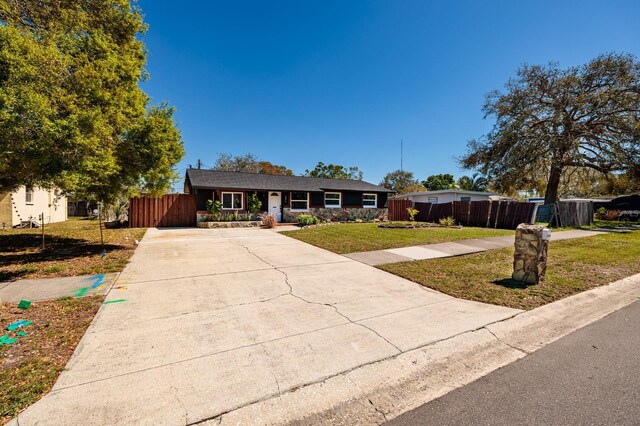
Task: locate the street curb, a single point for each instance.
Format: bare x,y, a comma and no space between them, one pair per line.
383,390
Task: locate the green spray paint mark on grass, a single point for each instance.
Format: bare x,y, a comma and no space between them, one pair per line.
114,301
21,333
6,340
82,292
16,325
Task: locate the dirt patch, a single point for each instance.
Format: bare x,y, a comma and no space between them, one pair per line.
30,366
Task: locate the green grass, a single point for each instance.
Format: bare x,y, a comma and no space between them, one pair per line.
356,237
71,248
573,266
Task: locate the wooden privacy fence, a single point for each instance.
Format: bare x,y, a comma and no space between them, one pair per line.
573,213
166,211
488,214
398,209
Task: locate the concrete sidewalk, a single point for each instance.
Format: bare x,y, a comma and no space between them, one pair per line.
217,320
40,289
434,251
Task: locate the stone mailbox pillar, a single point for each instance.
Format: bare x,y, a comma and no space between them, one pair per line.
530,258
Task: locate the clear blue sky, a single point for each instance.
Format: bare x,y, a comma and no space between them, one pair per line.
297,82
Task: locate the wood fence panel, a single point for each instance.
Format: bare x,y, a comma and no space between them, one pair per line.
398,210
462,212
424,210
166,211
575,213
479,213
493,214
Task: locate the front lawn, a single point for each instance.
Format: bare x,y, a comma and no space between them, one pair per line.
71,248
30,365
573,266
357,237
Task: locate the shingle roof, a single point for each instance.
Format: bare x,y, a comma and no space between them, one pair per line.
260,182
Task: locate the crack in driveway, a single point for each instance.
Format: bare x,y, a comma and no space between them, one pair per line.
286,279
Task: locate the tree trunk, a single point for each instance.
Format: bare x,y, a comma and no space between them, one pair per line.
551,193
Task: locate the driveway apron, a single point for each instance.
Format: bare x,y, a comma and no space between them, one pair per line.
208,321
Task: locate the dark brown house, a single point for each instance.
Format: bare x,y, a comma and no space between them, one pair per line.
285,196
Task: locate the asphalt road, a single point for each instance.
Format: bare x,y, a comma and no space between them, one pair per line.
590,377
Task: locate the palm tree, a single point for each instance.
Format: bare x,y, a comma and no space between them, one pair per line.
477,182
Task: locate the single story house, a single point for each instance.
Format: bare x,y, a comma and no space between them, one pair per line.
286,197
27,204
447,195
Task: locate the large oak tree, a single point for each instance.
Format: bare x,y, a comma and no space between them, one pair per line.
72,113
551,120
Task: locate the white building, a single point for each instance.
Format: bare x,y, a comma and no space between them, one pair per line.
29,204
447,195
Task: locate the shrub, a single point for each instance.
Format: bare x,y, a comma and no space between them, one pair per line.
214,206
412,213
269,221
612,215
254,204
307,219
447,221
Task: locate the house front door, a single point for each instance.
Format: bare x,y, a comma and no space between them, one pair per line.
275,205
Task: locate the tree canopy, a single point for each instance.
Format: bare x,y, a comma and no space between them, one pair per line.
72,113
334,171
399,181
248,163
438,182
550,121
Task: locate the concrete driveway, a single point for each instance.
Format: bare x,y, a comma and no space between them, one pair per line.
214,320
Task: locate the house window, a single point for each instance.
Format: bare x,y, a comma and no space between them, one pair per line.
28,195
332,199
369,201
232,200
465,198
300,201
433,200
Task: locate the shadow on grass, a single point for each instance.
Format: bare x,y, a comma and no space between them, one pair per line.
26,249
511,283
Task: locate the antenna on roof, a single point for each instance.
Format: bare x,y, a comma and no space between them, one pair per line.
401,146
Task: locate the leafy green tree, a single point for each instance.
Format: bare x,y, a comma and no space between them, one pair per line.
475,182
334,171
72,113
398,180
552,120
438,182
248,163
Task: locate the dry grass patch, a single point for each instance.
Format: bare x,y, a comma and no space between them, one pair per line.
72,248
30,366
574,266
358,237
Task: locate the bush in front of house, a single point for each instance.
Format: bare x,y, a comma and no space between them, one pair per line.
254,204
307,219
214,207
